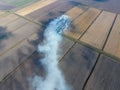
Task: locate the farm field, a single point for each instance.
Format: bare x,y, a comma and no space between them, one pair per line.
15,4
90,49
18,3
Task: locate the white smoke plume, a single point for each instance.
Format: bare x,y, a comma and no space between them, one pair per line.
54,79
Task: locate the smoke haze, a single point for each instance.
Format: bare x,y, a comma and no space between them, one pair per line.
54,79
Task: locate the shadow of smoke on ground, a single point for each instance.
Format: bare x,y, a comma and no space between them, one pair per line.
101,0
20,80
75,3
4,34
38,56
6,6
50,16
46,22
32,66
89,55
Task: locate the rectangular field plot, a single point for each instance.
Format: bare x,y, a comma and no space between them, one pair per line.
105,76
74,12
45,10
98,31
81,23
35,6
19,2
77,65
113,43
56,12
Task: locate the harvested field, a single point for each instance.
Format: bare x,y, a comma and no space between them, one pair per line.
90,49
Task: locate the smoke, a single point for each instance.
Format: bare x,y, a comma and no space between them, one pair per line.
54,79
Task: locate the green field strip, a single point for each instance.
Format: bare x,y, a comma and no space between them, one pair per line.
19,2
